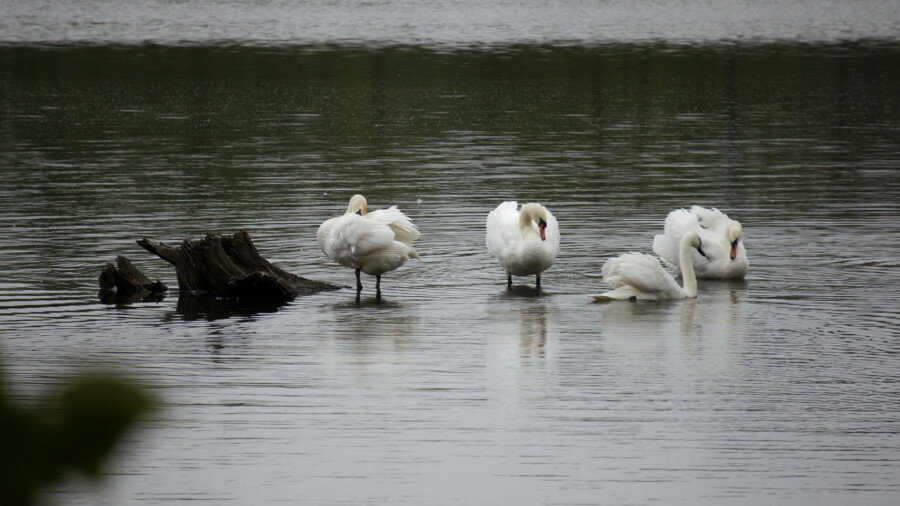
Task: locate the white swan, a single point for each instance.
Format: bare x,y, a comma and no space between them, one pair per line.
373,243
726,256
525,242
641,276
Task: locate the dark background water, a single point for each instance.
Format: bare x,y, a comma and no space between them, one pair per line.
781,389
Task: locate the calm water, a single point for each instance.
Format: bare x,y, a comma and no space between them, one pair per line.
784,389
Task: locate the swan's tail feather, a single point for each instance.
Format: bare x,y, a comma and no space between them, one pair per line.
405,231
403,228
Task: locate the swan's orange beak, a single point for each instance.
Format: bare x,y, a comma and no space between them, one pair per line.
734,245
542,226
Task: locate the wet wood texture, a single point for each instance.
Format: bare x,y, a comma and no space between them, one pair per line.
229,267
232,268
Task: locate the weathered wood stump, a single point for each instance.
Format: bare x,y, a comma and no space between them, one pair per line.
125,278
123,283
231,268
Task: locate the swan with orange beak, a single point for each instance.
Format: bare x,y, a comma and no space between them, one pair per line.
726,256
525,242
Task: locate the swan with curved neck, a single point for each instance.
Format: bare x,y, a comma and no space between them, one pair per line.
525,242
726,256
358,205
638,276
734,234
373,243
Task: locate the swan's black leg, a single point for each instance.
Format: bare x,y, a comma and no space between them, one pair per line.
358,285
537,281
378,286
509,281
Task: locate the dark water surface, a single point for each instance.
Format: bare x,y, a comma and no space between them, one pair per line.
784,389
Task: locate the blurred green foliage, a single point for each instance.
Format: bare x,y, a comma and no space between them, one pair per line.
76,431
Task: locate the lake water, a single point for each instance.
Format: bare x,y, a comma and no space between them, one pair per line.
169,120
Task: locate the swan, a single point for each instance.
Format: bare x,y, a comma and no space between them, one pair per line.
641,276
726,256
372,242
524,242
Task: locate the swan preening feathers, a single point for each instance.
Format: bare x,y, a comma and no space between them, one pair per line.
726,257
372,242
638,276
696,243
525,242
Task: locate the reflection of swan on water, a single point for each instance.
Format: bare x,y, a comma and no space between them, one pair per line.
520,345
640,276
373,243
519,316
720,314
533,331
372,321
640,321
710,329
524,242
726,256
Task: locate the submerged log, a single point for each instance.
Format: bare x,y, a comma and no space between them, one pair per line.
231,268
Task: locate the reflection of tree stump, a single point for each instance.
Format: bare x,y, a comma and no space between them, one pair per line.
230,267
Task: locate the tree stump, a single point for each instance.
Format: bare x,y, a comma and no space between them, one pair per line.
123,283
231,268
126,279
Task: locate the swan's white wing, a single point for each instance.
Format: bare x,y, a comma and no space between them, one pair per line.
640,271
663,246
712,219
678,223
365,237
323,233
502,228
351,237
616,270
332,236
393,217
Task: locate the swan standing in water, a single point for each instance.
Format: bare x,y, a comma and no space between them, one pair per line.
726,256
641,276
525,242
373,243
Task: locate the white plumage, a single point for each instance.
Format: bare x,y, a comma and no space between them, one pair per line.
641,276
372,242
524,242
726,256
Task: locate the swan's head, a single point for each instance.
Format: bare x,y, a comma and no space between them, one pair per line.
734,237
537,214
694,239
358,205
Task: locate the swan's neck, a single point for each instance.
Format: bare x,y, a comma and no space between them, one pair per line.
688,277
526,222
